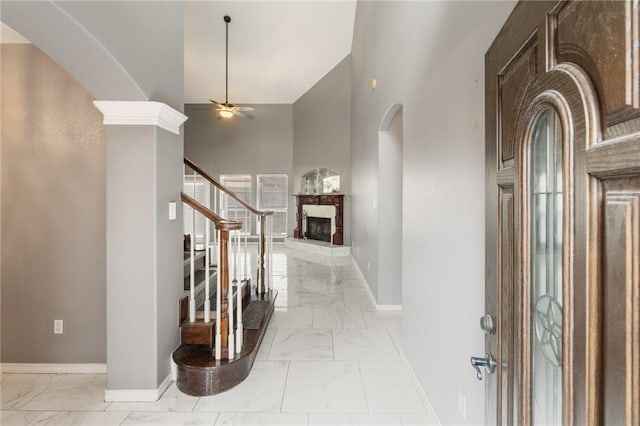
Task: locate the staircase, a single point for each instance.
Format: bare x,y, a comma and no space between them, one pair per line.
225,309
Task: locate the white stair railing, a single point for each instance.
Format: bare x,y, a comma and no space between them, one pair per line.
233,260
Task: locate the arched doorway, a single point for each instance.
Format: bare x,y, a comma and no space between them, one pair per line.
390,207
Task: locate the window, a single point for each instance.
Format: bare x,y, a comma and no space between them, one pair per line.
273,194
230,209
195,188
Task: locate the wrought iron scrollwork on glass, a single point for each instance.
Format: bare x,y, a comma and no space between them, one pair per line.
548,326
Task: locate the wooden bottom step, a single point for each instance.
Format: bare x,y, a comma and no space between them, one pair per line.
200,374
198,332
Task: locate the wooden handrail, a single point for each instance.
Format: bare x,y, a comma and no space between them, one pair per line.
224,189
220,223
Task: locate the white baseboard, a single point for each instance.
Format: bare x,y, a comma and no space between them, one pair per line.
35,368
389,307
137,395
396,308
174,370
416,383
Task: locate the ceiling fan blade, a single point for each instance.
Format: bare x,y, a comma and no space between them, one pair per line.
244,108
216,102
243,114
201,108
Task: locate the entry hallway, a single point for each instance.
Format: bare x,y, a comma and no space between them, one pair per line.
328,358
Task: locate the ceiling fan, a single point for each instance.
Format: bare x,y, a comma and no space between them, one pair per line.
227,110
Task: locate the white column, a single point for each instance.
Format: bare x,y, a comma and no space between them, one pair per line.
141,136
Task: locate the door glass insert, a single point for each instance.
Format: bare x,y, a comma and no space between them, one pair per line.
546,273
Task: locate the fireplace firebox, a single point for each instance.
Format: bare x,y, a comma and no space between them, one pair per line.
318,228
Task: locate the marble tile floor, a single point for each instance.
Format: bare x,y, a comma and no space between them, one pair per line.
328,358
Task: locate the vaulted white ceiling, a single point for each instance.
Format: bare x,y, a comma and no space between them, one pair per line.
277,49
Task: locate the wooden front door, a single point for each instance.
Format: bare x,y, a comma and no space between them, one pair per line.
563,215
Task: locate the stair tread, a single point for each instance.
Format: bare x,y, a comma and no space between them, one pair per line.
253,314
200,277
200,319
200,315
199,323
200,374
198,254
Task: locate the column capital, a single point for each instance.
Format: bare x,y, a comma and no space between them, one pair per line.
152,113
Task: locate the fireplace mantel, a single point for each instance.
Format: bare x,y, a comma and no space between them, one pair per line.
336,200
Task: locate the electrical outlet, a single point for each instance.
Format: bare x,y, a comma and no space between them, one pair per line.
462,404
58,326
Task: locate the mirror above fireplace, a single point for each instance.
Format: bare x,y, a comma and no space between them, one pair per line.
320,181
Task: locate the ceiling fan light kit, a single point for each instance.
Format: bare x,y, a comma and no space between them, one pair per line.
227,110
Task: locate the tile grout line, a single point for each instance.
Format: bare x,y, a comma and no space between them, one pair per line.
125,418
284,388
333,344
364,392
55,379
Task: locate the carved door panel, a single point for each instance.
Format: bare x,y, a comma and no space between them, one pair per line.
563,215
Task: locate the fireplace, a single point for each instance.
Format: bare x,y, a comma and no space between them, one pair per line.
318,228
327,207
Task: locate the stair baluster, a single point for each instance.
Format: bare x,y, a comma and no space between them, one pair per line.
225,339
192,268
225,330
270,258
261,255
207,265
245,257
218,347
239,282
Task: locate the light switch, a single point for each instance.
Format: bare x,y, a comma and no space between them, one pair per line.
172,210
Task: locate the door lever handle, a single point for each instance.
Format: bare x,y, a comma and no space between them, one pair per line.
488,362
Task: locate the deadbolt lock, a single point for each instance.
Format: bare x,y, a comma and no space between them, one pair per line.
487,324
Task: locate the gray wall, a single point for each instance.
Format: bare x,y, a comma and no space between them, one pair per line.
169,155
92,41
83,39
72,47
53,213
155,60
429,56
322,132
240,146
